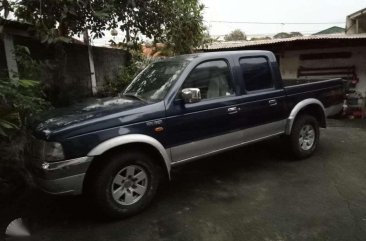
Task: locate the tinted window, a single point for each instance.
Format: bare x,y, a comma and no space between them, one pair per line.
212,78
256,73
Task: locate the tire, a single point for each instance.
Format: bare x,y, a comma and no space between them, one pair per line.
304,138
133,177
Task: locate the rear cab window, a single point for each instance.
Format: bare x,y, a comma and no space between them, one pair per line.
256,74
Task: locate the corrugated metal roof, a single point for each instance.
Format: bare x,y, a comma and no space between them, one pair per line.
357,14
239,44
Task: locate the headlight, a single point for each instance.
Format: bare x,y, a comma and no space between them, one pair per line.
53,152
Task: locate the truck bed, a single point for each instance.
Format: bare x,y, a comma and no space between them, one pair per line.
328,91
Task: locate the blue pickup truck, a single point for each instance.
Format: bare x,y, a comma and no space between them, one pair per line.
177,110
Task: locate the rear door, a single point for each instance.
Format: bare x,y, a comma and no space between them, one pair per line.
262,102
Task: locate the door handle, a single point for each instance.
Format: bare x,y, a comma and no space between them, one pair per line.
233,110
272,102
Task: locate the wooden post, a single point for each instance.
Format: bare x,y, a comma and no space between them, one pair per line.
10,57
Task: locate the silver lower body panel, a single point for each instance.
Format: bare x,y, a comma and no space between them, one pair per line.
333,110
213,145
72,185
64,177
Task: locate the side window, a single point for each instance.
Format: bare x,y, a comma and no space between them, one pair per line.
256,73
213,78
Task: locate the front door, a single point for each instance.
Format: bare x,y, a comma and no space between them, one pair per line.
207,126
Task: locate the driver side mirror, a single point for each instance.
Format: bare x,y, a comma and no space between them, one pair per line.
191,95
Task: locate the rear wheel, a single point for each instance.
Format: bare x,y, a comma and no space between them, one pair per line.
126,185
304,138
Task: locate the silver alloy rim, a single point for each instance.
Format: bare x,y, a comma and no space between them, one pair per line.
307,137
129,185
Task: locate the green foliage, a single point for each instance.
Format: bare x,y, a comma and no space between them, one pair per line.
20,99
296,34
28,67
125,74
184,29
287,35
261,38
6,7
236,35
8,121
175,22
207,39
55,20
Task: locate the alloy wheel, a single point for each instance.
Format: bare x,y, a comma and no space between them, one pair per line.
129,185
307,137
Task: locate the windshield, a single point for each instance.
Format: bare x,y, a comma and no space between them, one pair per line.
155,81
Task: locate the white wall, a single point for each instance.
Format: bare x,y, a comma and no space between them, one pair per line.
290,62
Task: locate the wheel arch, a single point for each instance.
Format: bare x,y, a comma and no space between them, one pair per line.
136,142
309,106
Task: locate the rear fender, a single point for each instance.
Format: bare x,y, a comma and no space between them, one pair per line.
298,108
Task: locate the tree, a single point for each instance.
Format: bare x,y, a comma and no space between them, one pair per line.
260,38
296,34
20,99
180,26
281,35
236,35
184,27
287,35
5,7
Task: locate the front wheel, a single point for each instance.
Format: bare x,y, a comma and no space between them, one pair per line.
304,138
126,185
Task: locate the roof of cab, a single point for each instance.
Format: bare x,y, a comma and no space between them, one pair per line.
208,55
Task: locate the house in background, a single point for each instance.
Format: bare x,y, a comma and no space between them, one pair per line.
316,56
330,55
331,30
356,22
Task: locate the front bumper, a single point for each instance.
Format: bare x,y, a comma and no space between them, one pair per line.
64,177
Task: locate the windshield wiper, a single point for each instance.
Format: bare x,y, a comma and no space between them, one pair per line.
131,95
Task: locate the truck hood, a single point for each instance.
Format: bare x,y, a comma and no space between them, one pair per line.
91,109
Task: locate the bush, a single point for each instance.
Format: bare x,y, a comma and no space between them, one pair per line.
20,100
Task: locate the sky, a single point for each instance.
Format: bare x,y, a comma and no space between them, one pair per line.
332,12
329,12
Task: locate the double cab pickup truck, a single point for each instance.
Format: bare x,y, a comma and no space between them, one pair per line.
179,109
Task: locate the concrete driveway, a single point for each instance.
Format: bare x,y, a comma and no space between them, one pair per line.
256,193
